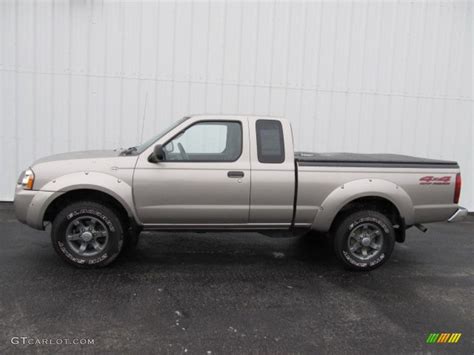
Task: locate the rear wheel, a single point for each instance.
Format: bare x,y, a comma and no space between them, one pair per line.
87,234
364,240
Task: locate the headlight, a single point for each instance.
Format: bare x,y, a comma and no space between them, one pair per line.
26,179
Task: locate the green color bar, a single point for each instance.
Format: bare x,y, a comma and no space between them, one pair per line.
432,337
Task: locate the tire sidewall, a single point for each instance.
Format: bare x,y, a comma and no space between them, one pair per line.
104,214
349,224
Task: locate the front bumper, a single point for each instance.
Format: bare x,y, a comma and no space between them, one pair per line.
459,215
30,206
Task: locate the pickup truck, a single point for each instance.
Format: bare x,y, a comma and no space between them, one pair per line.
233,173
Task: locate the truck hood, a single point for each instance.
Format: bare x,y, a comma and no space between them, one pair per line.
86,154
91,160
108,162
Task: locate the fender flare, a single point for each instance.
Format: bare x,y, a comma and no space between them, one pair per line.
108,184
346,193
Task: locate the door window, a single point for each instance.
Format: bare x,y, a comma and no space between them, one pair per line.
211,141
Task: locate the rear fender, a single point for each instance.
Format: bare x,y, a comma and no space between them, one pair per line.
356,189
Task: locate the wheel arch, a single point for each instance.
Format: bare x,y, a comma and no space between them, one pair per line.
378,194
88,194
378,204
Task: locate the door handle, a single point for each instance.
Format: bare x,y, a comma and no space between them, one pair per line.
235,174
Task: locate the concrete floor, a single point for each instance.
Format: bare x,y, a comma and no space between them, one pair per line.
238,293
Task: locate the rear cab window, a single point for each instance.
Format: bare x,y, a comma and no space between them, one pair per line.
270,143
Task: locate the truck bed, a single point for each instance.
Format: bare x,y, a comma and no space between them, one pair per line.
370,160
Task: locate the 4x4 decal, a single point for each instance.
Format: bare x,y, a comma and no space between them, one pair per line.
434,180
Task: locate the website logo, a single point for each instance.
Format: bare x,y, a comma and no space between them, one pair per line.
451,338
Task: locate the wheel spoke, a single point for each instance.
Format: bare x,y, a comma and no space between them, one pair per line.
99,234
80,224
364,252
375,234
73,237
375,246
92,224
355,246
96,245
83,248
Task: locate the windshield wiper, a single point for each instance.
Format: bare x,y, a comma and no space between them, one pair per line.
129,151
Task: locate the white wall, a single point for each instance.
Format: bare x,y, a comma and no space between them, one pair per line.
373,76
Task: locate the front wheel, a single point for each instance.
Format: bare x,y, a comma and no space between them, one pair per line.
87,234
364,240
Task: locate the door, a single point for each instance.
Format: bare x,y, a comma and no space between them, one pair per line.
204,178
273,173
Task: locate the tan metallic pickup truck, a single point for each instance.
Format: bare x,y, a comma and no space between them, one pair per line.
232,173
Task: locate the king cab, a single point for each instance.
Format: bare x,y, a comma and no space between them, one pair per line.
233,173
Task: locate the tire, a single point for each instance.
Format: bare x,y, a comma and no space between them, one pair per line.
91,224
364,230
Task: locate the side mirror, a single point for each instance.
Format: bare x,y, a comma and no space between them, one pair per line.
169,148
157,155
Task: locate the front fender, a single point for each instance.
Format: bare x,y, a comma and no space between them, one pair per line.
111,185
356,189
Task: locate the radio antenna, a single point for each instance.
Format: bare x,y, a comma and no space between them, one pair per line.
143,118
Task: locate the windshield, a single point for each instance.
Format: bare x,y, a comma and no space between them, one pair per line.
140,148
